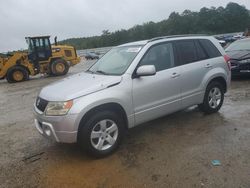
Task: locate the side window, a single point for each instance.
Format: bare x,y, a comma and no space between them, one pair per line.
38,43
186,51
31,45
209,47
41,42
161,56
46,43
201,54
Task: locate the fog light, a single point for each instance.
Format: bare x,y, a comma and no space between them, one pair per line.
47,131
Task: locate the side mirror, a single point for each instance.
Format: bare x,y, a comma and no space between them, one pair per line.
145,70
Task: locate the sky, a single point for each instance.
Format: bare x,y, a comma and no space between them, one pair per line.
83,18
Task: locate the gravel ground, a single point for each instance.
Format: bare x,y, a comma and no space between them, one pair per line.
173,151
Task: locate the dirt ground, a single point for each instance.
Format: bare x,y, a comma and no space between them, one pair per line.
173,151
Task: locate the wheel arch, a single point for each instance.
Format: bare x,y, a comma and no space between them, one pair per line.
26,68
55,58
114,107
221,80
18,63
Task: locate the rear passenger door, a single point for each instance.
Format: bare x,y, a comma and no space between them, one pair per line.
194,64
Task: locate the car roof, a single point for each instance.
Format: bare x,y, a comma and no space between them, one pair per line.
144,42
136,43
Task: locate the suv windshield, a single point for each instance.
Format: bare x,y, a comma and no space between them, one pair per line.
239,46
116,61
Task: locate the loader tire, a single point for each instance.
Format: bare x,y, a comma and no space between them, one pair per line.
59,67
17,74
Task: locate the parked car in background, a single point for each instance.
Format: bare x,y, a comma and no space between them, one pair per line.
229,38
132,84
238,36
239,53
91,56
222,43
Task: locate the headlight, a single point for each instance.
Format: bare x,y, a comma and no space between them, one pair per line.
58,108
245,61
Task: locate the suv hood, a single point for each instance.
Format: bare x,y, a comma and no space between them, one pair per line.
77,85
239,55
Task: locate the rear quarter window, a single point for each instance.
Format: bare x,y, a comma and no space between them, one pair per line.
201,54
210,48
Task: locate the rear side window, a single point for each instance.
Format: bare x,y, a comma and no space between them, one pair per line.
186,51
201,54
210,49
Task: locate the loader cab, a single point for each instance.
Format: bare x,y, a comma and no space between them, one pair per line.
39,48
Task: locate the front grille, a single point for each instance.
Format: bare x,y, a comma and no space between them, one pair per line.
245,66
41,104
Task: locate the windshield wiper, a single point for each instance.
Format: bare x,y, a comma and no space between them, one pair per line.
90,71
102,72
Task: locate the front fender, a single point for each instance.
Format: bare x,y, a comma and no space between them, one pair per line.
115,94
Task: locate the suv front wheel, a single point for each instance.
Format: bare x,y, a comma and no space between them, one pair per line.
101,134
213,99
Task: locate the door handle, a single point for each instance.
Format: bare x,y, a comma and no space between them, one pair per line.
208,66
175,75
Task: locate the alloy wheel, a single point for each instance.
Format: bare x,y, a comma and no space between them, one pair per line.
214,97
104,134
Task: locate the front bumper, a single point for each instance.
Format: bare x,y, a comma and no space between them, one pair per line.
57,128
240,69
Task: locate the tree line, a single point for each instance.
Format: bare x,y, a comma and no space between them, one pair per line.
232,18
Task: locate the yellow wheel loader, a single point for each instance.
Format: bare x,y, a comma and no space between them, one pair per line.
42,57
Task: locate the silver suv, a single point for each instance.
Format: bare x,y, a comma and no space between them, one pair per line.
131,84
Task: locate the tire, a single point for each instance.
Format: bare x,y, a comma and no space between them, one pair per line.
17,74
59,67
213,99
97,142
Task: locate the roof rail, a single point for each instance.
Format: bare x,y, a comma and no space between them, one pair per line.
175,36
45,36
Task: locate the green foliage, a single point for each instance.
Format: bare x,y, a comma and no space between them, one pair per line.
232,18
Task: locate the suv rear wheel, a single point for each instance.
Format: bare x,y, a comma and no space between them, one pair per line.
102,133
213,99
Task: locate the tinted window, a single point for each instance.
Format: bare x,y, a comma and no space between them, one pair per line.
210,49
201,54
187,51
161,56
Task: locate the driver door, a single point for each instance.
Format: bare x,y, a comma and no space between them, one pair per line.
158,95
